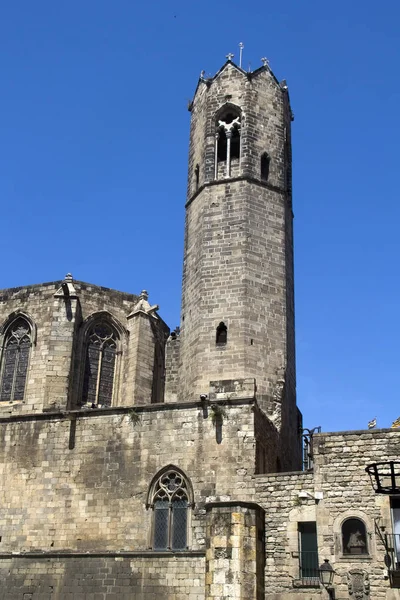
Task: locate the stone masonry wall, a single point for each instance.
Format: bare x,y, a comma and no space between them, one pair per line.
79,481
83,577
338,489
57,354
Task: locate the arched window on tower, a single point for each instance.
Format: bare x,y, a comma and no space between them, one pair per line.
15,360
227,141
265,162
197,177
222,334
170,498
354,537
100,362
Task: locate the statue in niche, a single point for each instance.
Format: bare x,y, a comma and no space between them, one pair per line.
358,584
356,540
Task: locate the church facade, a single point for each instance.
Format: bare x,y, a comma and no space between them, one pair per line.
137,463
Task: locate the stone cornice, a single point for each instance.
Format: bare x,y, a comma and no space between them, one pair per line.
252,180
105,554
119,410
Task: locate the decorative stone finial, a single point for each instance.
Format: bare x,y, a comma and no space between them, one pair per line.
265,61
67,289
230,56
143,306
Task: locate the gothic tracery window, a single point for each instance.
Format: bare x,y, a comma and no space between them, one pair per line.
170,503
15,360
227,139
100,361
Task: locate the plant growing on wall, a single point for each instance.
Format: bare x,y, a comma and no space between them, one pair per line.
218,414
134,417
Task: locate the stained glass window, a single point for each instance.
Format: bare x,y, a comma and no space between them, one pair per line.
15,359
101,351
170,503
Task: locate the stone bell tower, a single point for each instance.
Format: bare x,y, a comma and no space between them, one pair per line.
237,320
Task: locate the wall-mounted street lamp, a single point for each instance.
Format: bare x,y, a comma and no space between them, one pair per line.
385,477
326,575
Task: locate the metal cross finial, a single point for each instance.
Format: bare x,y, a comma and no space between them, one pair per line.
241,46
265,61
230,56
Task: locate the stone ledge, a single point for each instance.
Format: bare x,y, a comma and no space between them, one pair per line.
233,503
246,178
119,410
305,584
285,474
355,432
122,553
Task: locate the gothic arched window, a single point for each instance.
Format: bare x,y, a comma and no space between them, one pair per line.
354,537
15,360
227,138
170,501
265,162
100,361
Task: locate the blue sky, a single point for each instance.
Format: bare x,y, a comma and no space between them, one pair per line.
94,131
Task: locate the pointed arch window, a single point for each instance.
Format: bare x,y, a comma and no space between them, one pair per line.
227,138
170,500
100,363
15,361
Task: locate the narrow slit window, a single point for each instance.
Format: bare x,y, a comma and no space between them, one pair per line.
197,176
235,144
222,334
222,143
265,162
15,360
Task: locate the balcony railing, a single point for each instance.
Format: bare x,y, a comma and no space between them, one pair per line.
392,558
309,569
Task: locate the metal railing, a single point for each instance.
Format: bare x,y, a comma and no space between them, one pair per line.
309,569
392,543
